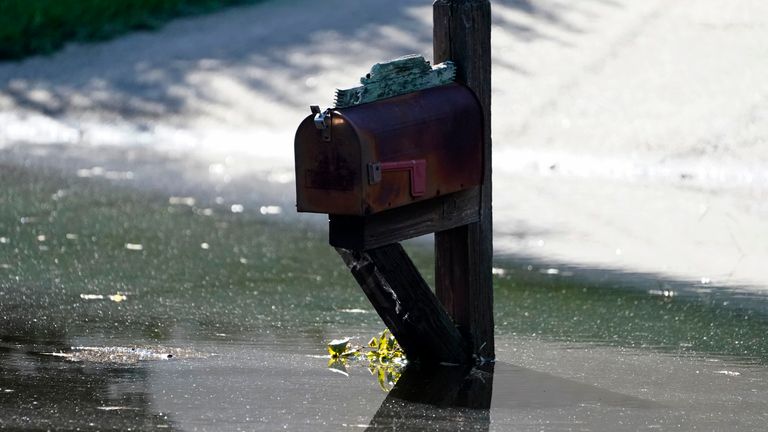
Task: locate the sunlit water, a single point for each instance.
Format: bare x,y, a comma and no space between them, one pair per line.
123,309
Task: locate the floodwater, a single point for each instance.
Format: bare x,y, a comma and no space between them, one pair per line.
133,309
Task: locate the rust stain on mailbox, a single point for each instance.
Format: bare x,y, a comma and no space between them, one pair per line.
386,154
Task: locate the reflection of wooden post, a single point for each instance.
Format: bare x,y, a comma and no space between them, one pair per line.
447,390
463,255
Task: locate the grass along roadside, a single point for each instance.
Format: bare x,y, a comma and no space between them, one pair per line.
29,27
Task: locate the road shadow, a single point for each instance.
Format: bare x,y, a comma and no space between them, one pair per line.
279,50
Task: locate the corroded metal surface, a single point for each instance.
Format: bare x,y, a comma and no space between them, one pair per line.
441,126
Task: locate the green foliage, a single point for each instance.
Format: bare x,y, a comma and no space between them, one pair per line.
383,357
340,348
42,26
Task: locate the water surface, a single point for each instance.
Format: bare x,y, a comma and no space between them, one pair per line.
100,282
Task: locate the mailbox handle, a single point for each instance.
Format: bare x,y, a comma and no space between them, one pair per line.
417,170
322,121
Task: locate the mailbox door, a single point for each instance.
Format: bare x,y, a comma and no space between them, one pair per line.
328,172
424,144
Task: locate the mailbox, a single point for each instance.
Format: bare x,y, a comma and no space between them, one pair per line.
399,156
382,155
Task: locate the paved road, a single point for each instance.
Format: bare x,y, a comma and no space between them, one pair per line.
629,136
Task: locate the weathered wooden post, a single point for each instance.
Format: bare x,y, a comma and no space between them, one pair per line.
464,255
407,153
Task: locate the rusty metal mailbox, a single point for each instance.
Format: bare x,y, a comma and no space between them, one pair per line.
374,157
367,162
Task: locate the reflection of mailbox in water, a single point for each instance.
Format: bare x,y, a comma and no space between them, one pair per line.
369,158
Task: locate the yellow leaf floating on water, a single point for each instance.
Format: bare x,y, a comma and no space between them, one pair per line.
117,298
384,357
337,347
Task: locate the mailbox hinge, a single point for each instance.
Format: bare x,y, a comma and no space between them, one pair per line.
322,121
417,170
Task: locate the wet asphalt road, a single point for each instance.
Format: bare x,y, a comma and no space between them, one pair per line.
630,192
101,281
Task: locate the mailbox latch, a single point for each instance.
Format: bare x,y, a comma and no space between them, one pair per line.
417,170
322,121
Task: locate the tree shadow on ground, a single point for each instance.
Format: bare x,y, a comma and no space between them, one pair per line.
279,51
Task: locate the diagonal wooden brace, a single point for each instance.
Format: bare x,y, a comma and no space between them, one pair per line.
406,304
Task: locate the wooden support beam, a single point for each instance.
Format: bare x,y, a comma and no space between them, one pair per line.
464,255
406,304
392,226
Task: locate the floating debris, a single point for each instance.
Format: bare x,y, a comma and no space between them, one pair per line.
90,172
71,236
728,373
663,293
205,246
4,240
115,408
124,355
187,201
134,246
119,175
270,210
98,171
236,208
355,311
117,298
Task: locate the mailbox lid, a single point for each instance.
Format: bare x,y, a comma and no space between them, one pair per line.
425,144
